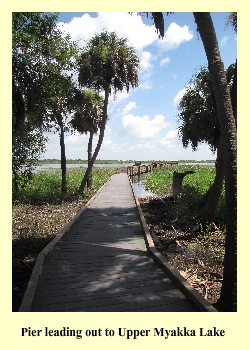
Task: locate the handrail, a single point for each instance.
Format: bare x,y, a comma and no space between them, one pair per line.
138,168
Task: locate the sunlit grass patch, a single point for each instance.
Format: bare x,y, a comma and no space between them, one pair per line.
194,187
45,186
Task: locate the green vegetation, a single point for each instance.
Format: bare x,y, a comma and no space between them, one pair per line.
227,117
160,180
43,94
45,186
186,208
183,237
42,88
39,212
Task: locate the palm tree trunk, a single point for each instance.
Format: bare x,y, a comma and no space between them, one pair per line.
101,136
211,198
91,134
205,26
63,161
234,94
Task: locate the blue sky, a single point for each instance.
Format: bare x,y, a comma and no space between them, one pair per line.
143,124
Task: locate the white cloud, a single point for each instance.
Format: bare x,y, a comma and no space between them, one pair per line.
175,36
80,28
132,27
179,96
142,127
147,85
128,108
76,139
146,151
107,132
139,36
170,140
146,70
145,59
165,61
168,147
142,147
116,99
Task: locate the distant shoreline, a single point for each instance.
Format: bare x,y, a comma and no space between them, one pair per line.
114,161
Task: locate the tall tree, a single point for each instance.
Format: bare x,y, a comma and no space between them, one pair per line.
59,89
108,62
32,34
59,104
227,301
199,123
31,49
87,118
232,21
41,86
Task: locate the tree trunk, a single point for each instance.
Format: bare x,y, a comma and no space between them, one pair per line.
205,26
234,94
63,162
211,198
91,134
101,136
177,182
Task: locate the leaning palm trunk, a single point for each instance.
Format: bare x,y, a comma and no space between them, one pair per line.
227,301
101,136
211,198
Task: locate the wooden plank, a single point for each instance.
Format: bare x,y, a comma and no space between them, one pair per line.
126,299
102,263
144,306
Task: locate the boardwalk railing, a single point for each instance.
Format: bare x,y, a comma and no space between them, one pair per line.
139,168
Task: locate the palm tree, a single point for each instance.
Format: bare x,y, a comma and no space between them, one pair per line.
87,118
227,120
59,104
107,62
205,26
200,123
232,20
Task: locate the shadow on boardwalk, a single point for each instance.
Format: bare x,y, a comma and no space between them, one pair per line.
102,264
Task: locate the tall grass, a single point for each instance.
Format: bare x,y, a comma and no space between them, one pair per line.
160,180
45,186
186,207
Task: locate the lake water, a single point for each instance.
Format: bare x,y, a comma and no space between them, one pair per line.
58,166
140,189
138,181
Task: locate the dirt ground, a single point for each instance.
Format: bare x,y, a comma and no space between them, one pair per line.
199,258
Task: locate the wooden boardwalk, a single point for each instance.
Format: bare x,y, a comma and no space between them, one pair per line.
102,264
